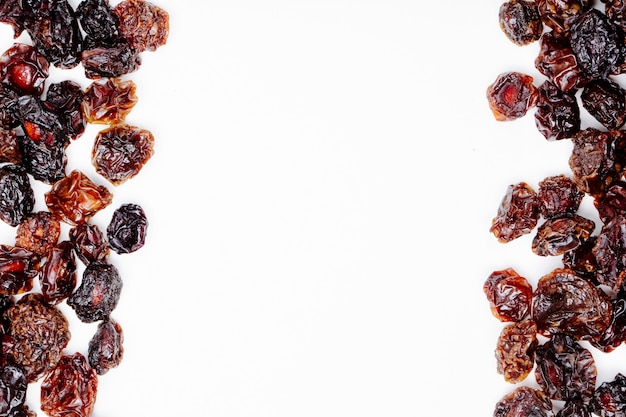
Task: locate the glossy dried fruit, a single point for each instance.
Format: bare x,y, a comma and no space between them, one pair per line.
106,348
121,151
23,69
511,95
596,43
561,234
144,25
613,202
609,399
98,293
615,334
565,369
558,195
12,390
38,333
89,243
126,232
97,19
55,33
18,268
17,198
112,58
524,402
557,62
75,198
605,100
560,14
520,21
515,350
65,99
558,115
509,295
566,303
517,214
582,260
70,388
109,100
38,233
594,161
58,274
610,253
574,409
9,147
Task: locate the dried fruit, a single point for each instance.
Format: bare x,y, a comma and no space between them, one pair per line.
509,295
126,232
70,388
144,25
38,233
98,293
511,95
89,243
106,347
517,214
121,151
75,198
38,333
515,351
520,21
109,100
524,402
17,198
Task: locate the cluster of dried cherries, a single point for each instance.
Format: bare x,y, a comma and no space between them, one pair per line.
38,122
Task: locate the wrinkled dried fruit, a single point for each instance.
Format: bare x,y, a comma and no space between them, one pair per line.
70,388
17,198
520,21
561,234
121,151
126,232
517,214
75,198
511,95
109,100
524,402
89,243
98,293
509,295
144,25
565,369
106,348
566,303
515,351
38,233
38,333
58,275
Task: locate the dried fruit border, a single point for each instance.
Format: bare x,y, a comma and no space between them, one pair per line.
39,120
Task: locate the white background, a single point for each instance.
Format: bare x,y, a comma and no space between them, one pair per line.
324,178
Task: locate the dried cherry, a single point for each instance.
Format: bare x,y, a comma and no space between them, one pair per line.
98,294
517,214
515,351
511,95
126,232
509,295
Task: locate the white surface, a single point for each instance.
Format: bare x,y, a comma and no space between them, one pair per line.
319,202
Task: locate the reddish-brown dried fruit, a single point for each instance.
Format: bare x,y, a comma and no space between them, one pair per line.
89,243
106,348
609,399
23,69
566,303
144,25
9,147
109,100
18,268
520,21
38,233
509,295
558,195
75,198
58,275
558,115
515,351
511,95
70,388
561,234
565,369
560,14
557,61
38,333
605,100
120,152
98,293
524,402
615,334
610,253
517,214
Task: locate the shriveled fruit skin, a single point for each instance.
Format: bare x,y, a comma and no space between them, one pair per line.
127,230
566,303
144,25
37,334
517,214
509,295
524,402
511,95
70,388
106,348
515,350
98,294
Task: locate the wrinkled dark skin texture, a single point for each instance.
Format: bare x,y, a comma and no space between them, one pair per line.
89,243
515,350
565,370
17,198
106,348
558,195
70,388
126,232
98,293
561,234
605,100
520,21
509,295
566,303
524,402
517,214
609,399
511,95
558,115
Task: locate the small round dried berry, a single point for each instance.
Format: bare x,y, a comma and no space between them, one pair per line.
127,231
511,95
